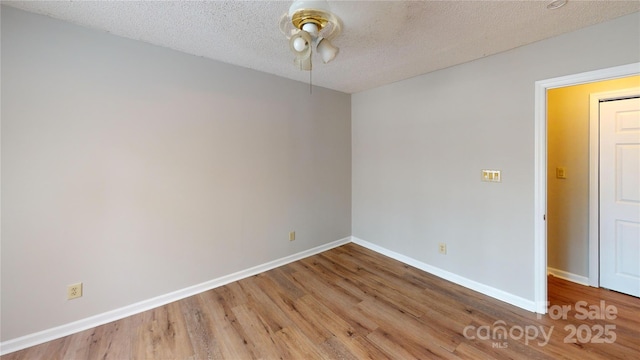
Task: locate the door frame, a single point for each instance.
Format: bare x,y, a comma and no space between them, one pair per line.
540,168
594,176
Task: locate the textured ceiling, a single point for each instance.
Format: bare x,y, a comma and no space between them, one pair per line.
381,42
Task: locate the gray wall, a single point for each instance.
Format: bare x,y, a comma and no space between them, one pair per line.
140,171
419,146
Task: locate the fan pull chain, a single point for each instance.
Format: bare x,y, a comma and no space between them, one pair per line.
311,71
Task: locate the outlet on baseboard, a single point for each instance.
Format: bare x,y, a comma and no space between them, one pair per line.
442,248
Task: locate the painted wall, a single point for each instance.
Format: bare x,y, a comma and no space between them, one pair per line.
419,146
140,171
568,147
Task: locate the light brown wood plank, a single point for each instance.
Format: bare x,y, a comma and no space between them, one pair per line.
200,329
399,348
346,303
163,335
413,330
315,334
225,327
299,346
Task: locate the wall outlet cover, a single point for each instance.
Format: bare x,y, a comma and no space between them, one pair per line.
74,291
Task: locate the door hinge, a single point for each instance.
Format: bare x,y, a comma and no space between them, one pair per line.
544,216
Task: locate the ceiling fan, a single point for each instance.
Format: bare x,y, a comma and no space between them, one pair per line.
310,24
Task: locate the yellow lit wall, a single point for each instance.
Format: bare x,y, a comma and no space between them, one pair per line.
568,199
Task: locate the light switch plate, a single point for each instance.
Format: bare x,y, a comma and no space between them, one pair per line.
491,175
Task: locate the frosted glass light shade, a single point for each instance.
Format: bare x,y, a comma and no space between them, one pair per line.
303,63
326,50
300,44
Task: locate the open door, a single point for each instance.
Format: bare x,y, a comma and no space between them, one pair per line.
619,178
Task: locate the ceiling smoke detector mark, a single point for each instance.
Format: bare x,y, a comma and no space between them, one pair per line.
556,4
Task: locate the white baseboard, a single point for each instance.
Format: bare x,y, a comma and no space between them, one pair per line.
26,341
578,279
457,279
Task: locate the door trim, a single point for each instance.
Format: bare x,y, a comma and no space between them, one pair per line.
594,180
540,171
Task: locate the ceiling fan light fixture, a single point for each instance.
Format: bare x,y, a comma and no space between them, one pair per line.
308,4
310,11
311,28
309,24
326,50
300,43
303,63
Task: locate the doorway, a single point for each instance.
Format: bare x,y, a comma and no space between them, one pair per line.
540,210
572,179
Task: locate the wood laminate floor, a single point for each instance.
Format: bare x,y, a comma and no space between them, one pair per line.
352,303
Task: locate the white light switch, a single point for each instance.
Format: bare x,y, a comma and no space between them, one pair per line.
561,173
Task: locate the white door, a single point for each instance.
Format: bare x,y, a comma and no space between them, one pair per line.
620,195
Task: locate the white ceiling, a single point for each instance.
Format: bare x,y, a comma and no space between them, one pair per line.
381,42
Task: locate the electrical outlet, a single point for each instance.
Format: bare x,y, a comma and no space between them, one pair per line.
442,248
491,175
292,235
74,291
